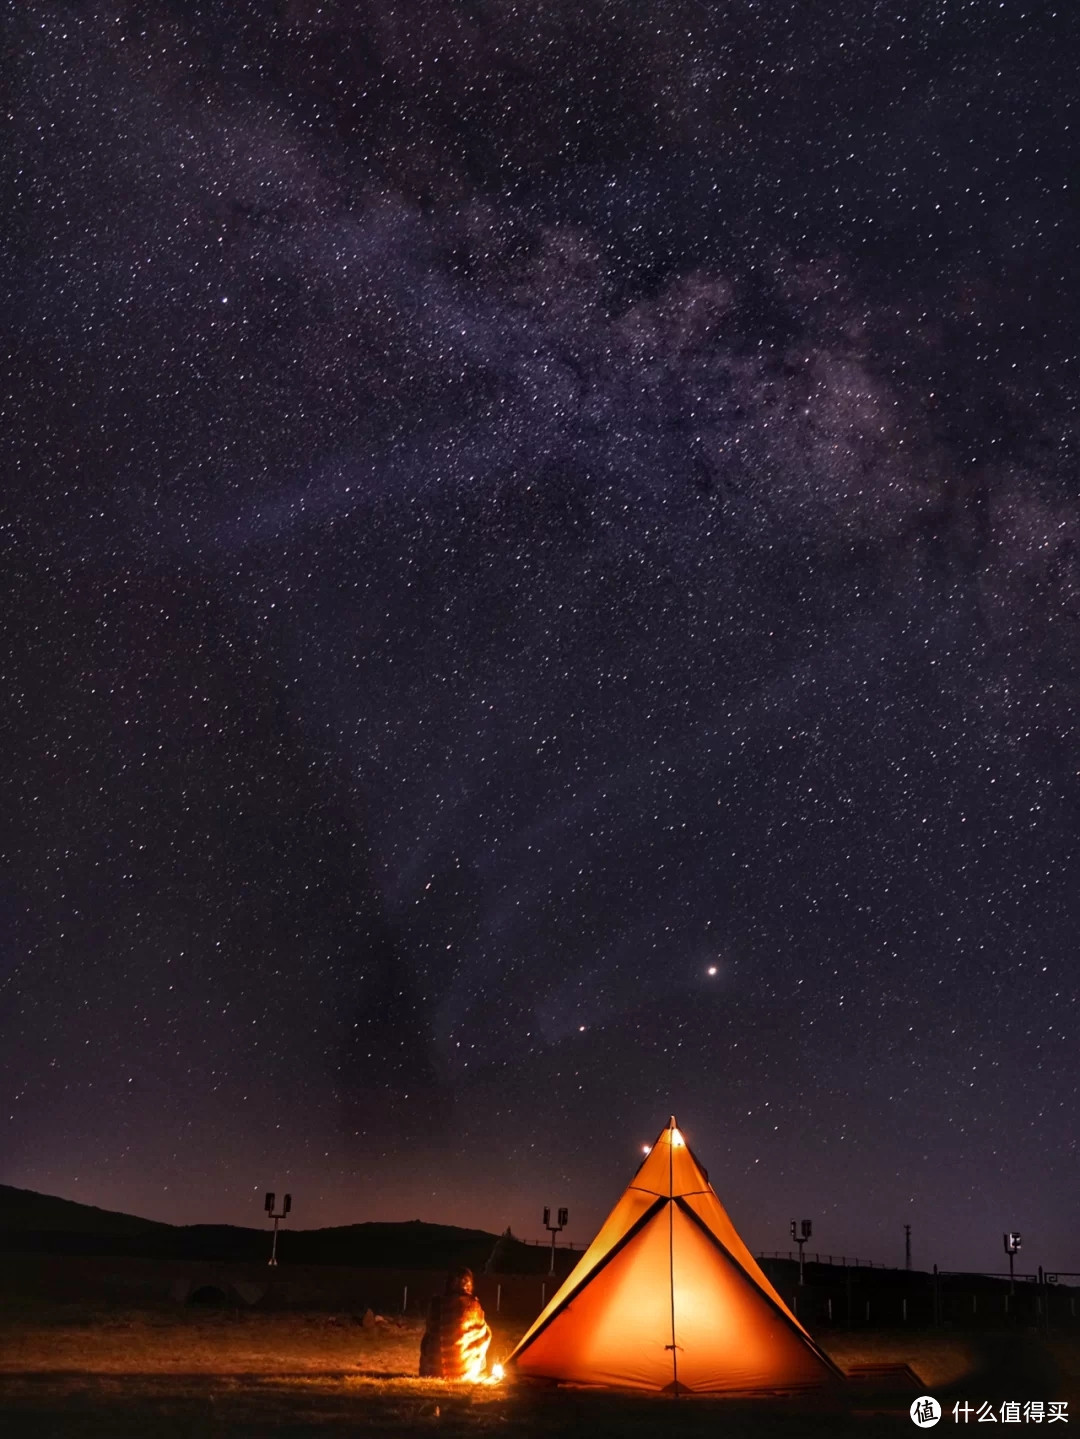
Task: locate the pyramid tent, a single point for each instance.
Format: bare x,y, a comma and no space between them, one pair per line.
668,1297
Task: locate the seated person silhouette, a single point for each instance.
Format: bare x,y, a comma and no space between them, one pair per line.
456,1339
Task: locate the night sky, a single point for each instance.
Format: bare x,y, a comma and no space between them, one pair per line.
541,588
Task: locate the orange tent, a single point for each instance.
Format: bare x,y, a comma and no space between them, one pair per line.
668,1297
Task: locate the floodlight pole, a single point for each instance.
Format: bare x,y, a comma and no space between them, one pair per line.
1012,1241
553,1229
286,1205
800,1234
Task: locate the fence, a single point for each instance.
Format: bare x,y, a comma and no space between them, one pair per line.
841,1259
863,1297
876,1296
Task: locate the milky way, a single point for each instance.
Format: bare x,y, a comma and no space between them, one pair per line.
510,508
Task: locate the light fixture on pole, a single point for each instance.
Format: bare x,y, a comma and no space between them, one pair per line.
553,1229
286,1205
800,1239
1012,1249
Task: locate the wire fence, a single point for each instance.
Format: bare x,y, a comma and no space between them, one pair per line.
845,1260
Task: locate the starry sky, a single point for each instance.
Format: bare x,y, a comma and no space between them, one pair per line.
541,588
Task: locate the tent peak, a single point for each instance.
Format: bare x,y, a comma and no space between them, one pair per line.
671,1123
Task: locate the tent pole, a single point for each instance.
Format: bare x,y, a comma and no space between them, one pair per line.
671,1259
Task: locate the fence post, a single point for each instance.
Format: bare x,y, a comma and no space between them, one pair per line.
498,1298
405,1299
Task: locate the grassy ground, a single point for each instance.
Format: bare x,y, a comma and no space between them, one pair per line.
75,1373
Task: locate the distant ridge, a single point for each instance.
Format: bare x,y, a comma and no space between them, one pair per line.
44,1224
24,1211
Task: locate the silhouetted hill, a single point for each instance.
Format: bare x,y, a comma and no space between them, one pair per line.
24,1211
426,1246
41,1223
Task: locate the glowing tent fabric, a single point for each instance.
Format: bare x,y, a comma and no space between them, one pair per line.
668,1297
